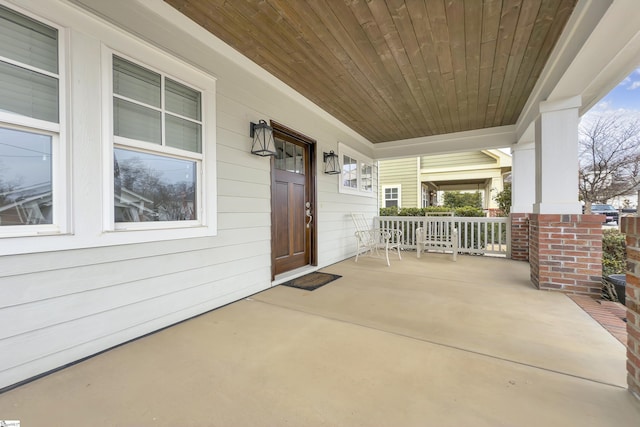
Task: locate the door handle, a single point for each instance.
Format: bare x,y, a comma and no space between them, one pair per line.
308,214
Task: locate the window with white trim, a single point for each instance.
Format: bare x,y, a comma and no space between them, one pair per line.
357,172
32,159
391,196
157,147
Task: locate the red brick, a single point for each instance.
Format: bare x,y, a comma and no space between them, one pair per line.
577,265
633,359
633,318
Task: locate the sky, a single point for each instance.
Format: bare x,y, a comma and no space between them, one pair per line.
624,99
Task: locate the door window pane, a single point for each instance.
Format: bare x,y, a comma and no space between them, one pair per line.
299,160
289,156
25,178
150,187
279,160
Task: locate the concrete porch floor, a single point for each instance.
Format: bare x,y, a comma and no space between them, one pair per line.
424,342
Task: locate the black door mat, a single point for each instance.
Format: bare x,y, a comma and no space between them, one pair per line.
311,281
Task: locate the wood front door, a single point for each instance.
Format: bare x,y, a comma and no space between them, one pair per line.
293,204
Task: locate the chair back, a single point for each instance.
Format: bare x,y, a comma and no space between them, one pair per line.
360,221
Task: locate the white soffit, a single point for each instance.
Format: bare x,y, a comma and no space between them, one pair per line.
483,139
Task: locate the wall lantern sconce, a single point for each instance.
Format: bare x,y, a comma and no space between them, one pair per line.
331,164
262,135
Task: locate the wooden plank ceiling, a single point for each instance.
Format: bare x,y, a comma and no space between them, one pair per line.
396,69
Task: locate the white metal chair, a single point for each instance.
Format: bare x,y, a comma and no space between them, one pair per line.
371,241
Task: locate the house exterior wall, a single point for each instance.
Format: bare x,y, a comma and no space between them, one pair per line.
401,173
66,297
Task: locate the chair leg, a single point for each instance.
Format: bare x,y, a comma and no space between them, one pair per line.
386,253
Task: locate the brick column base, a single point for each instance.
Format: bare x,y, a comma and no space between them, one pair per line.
631,227
565,252
520,236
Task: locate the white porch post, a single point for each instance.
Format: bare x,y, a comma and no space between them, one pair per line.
523,177
562,263
523,190
556,154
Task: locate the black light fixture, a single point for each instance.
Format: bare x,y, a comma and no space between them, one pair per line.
331,164
262,135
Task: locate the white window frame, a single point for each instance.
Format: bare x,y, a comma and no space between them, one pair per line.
205,223
384,195
61,221
361,160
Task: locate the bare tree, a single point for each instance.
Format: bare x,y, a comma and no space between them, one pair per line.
609,158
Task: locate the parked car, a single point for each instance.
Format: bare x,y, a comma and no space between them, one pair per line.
609,211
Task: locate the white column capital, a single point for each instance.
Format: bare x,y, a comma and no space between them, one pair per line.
561,104
522,146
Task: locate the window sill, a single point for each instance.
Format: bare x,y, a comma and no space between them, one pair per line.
49,242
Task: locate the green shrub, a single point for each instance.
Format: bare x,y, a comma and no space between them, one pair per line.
469,211
614,253
464,211
503,199
456,199
410,212
390,211
435,209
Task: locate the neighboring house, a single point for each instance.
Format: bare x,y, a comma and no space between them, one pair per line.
419,181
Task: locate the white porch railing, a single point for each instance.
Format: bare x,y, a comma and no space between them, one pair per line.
476,235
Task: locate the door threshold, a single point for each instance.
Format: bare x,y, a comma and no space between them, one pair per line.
288,275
